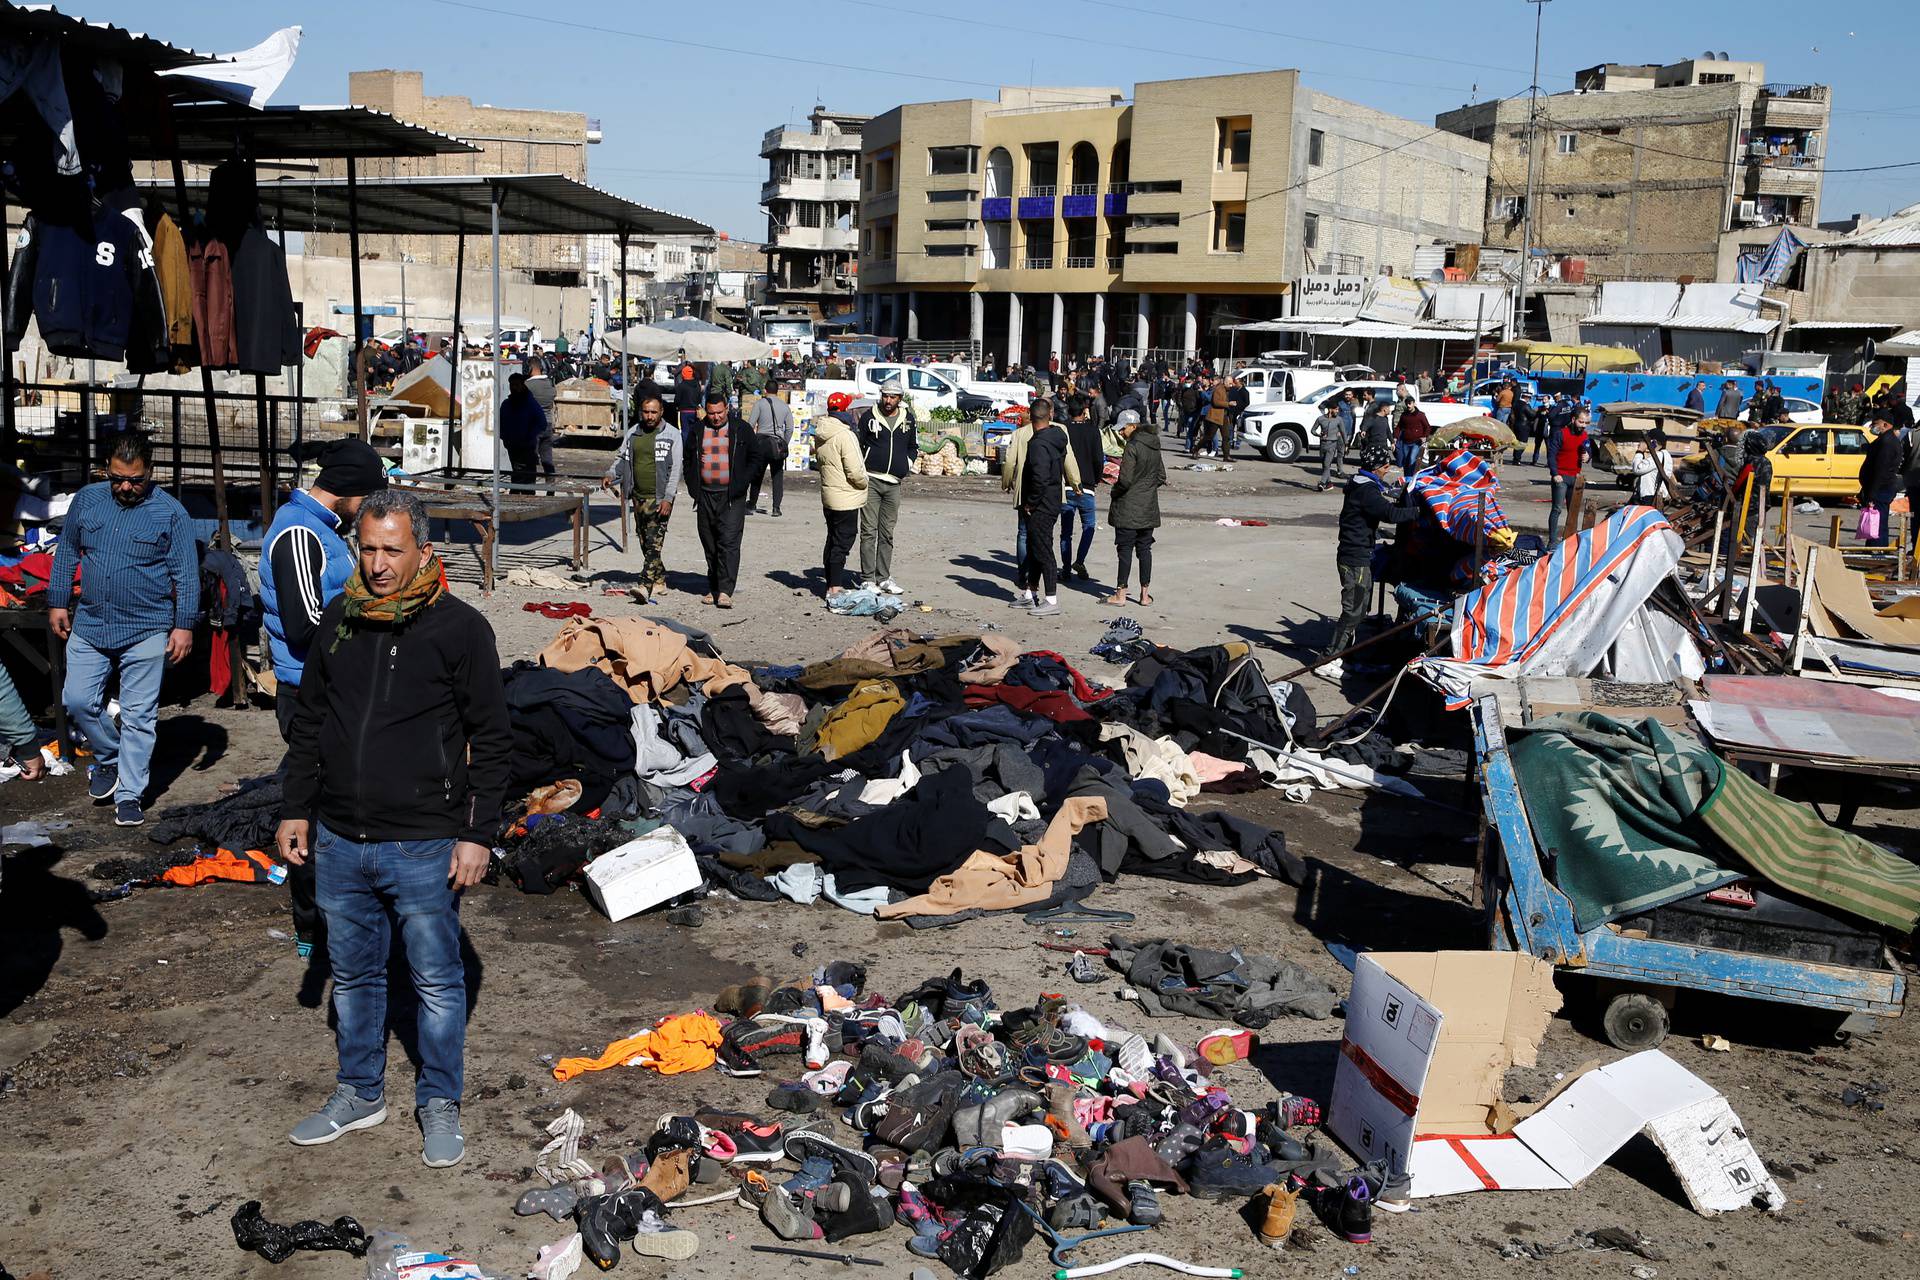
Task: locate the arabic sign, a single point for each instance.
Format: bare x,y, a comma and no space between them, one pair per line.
1331,297
1394,299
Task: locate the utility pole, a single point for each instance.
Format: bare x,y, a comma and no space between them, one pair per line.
1517,331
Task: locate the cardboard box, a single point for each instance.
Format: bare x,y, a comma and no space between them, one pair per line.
1430,1037
642,873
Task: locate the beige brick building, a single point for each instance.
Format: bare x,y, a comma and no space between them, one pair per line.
1074,221
510,140
1641,171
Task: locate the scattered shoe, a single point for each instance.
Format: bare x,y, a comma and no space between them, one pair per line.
559,1260
344,1112
557,1202
441,1142
1277,1224
1218,1172
889,587
789,1216
1143,1204
128,814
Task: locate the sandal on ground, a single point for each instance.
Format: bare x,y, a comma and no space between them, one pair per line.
1146,598
1118,600
706,599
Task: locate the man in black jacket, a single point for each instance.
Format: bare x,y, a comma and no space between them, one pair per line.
719,460
1083,437
889,438
401,746
1363,509
1043,480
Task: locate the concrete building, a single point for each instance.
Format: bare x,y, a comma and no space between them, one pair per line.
666,275
1072,221
1852,294
812,198
1641,172
511,140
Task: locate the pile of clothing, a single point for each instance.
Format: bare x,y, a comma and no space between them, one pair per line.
923,778
977,1128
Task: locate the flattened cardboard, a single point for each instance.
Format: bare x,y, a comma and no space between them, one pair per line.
1579,1130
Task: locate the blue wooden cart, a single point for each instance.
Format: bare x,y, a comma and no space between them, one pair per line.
1526,912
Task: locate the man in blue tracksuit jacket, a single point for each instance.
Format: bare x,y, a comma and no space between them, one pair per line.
305,563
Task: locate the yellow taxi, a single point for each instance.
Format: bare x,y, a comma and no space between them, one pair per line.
1821,458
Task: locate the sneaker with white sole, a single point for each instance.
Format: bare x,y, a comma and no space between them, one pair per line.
892,588
441,1142
1045,609
344,1112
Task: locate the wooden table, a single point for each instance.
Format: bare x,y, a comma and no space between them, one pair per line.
461,501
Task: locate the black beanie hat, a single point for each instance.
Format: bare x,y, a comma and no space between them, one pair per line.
351,469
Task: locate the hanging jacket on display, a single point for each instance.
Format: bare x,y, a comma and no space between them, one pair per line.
266,336
176,289
86,283
148,348
211,269
20,278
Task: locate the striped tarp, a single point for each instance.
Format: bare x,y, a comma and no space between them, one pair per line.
1450,489
1789,845
1568,602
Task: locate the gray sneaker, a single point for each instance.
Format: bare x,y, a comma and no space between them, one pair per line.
1045,609
443,1144
344,1112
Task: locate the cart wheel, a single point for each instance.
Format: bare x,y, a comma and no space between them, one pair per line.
1634,1022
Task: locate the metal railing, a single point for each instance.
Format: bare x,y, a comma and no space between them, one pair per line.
1119,188
1045,192
1116,262
1037,264
1801,92
1079,264
1084,189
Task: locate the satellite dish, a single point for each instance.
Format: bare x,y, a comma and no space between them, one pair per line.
1437,276
1723,55
1706,55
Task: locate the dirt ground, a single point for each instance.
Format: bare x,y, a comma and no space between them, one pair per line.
154,1050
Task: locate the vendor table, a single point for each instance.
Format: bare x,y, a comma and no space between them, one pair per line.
454,501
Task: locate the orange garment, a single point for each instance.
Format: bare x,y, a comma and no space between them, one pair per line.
682,1042
997,881
644,658
251,867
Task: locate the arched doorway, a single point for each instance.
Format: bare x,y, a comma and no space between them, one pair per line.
999,173
1084,170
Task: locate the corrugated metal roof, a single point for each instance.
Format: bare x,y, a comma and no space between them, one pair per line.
1843,324
43,22
530,204
1731,324
211,132
1900,228
1644,319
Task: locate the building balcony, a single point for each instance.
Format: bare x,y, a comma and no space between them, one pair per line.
824,239
1080,264
996,209
1116,262
1037,202
1791,106
1783,180
1037,264
810,189
775,140
1080,204
1114,205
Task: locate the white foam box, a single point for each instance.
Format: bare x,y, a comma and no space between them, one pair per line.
626,880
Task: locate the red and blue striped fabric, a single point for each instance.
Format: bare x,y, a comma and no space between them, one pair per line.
1507,622
1451,490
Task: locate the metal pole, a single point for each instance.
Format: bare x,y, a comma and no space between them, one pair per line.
265,444
1526,226
493,543
626,377
353,254
456,348
7,436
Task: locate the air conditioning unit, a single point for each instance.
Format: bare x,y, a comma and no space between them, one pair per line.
1749,211
1756,150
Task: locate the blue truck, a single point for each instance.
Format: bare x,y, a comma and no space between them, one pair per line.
1650,388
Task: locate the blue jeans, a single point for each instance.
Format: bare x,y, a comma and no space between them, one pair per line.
130,743
1408,457
1084,506
1562,491
1019,537
362,888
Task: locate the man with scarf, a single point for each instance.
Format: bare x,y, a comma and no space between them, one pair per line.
305,563
889,439
400,745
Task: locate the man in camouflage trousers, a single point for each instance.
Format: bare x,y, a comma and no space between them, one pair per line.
647,467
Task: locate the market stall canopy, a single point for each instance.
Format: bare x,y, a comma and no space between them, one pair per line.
44,22
530,204
1481,428
657,343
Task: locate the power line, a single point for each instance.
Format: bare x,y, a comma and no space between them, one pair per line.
550,21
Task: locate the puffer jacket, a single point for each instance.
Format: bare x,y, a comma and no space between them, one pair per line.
843,472
1013,466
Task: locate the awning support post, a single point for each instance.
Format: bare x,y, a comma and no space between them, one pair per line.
353,258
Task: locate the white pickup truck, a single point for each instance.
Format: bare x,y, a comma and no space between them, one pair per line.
1004,395
928,386
1286,430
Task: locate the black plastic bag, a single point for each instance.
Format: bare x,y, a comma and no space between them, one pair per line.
276,1243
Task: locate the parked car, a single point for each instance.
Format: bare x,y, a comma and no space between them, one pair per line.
1284,431
1819,460
926,389
1798,410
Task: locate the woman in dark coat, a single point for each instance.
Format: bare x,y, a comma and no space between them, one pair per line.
1134,508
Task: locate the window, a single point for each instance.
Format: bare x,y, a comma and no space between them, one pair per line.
1849,442
949,251
1810,442
1167,246
1611,131
948,197
1715,77
1171,188
951,224
921,380
1235,143
1570,212
1230,226
947,161
1565,143
1156,220
1316,147
1510,207
1310,232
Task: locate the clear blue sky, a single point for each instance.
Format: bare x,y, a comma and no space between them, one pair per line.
684,91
